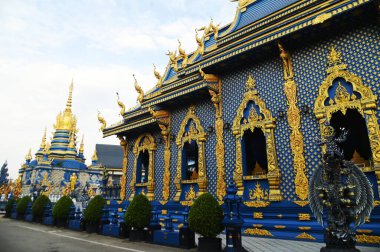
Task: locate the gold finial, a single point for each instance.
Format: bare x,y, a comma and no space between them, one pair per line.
72,141
139,90
43,143
94,156
28,156
201,45
121,105
334,58
102,121
251,83
158,76
81,148
70,99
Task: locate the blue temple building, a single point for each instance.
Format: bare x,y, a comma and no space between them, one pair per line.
250,104
59,167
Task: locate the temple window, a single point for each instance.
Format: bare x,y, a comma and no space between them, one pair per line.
191,167
190,160
356,147
254,153
256,157
143,167
346,103
143,172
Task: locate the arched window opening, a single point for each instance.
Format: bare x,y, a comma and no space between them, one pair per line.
356,147
191,160
143,162
255,160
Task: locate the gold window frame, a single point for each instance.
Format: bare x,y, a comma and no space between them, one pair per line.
266,124
199,136
365,105
147,145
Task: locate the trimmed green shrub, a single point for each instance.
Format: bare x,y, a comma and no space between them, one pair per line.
139,212
206,216
62,207
93,212
38,206
8,207
22,205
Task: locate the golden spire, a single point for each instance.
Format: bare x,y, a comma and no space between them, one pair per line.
139,90
81,148
121,105
70,99
102,121
29,155
43,143
158,76
94,156
47,148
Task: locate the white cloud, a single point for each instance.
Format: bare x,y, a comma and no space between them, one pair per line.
100,44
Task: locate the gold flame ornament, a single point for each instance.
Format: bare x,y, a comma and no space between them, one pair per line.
102,121
158,76
139,91
121,105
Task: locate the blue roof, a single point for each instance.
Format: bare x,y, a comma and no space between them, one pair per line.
260,9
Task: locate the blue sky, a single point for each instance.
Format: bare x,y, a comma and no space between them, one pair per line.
100,44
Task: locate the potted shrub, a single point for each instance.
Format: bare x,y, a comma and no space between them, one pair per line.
8,207
21,207
61,211
205,218
138,217
93,213
38,207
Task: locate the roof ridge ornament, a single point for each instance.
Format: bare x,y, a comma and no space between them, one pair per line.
121,105
201,45
173,59
139,90
158,76
102,121
243,3
183,54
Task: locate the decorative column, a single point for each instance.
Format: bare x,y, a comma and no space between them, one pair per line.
294,121
163,119
123,180
216,99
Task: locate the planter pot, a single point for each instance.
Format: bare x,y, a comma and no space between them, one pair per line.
61,223
92,228
209,244
38,219
137,235
123,231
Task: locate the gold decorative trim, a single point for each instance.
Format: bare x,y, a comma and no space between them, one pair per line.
144,142
164,122
304,228
256,204
364,231
301,203
258,215
294,121
303,216
123,179
376,203
306,236
264,122
365,103
279,227
216,99
370,239
258,232
257,225
163,202
186,203
321,18
197,134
